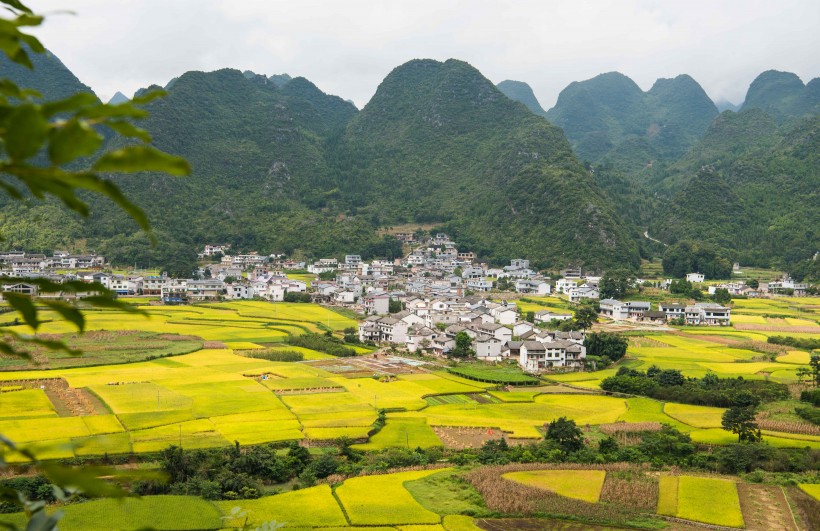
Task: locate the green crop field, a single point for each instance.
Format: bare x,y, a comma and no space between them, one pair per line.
499,374
709,500
173,513
695,416
668,495
405,432
582,485
312,507
393,506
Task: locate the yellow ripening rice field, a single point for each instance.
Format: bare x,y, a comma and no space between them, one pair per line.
393,506
584,485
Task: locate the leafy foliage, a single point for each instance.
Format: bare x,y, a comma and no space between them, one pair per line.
609,118
613,346
564,432
688,257
741,421
670,385
289,169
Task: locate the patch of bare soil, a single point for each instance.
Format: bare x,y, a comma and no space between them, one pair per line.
461,438
806,508
765,508
537,524
214,345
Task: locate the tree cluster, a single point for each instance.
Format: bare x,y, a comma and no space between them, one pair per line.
689,257
671,385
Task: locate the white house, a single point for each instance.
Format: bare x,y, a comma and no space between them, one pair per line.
545,316
488,349
376,303
614,309
238,291
673,310
563,285
585,291
695,277
535,356
535,287
707,313
505,315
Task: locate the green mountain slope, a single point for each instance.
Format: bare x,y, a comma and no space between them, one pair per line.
521,92
783,95
610,119
279,166
438,143
49,76
748,187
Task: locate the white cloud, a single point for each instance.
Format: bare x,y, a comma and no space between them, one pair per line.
347,47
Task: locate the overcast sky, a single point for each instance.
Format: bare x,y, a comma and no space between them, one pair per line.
347,47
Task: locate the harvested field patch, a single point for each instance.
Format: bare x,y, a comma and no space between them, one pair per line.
461,438
765,508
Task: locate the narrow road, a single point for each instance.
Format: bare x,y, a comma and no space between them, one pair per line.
648,237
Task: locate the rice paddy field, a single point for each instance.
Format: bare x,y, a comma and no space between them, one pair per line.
215,396
348,506
584,485
708,500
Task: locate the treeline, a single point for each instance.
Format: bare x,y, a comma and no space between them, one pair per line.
670,385
689,257
327,344
275,355
806,343
606,348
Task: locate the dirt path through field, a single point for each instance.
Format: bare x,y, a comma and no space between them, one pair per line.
765,508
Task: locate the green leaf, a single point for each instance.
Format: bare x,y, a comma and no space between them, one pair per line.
26,130
68,312
142,158
72,103
73,139
16,4
148,96
24,305
109,303
129,130
86,479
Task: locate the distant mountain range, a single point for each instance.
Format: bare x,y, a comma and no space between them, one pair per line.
278,165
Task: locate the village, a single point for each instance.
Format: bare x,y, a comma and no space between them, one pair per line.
420,303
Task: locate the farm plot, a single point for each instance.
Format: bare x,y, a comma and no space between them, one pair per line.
172,513
406,432
582,485
311,507
708,500
25,403
695,416
521,419
812,489
393,506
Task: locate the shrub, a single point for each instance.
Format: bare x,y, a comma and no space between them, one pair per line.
276,355
327,344
812,396
811,414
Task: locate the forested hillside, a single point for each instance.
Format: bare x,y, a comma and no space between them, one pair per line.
279,166
521,92
609,119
